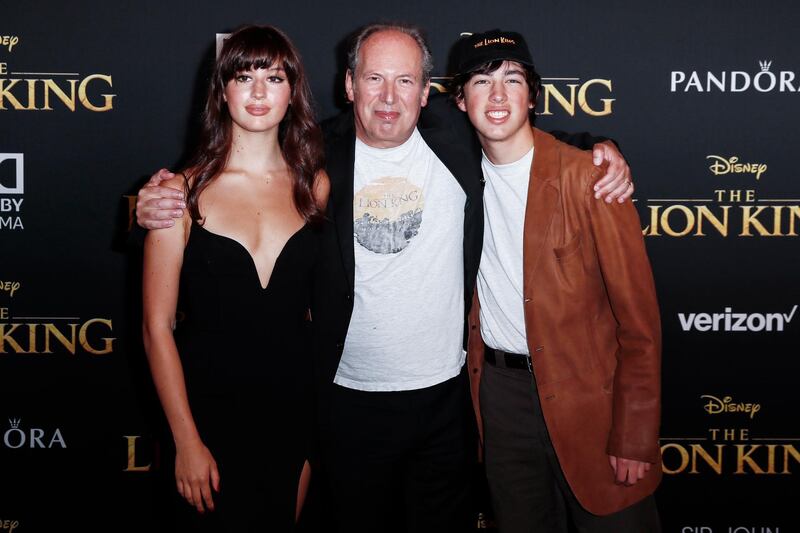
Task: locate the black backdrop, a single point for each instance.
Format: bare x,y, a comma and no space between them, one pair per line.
94,96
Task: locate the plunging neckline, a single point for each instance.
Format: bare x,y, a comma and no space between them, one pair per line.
253,264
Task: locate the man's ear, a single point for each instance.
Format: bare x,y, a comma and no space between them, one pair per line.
460,103
348,85
425,92
532,103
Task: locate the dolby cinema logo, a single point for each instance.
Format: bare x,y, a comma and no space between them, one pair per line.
12,188
729,320
762,77
12,175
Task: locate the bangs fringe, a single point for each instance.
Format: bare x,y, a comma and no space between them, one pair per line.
251,50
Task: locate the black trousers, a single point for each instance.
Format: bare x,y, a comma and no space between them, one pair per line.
528,490
401,461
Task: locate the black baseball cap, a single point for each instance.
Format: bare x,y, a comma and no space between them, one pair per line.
474,51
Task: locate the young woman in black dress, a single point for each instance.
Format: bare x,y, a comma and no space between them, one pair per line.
234,377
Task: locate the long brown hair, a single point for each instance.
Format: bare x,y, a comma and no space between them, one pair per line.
300,138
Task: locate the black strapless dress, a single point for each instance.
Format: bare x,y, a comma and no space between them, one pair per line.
247,363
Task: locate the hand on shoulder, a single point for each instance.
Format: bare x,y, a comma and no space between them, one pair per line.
161,200
616,182
180,219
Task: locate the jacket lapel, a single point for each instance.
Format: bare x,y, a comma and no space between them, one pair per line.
340,167
542,201
462,162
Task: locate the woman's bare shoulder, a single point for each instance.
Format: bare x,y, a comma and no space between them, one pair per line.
322,188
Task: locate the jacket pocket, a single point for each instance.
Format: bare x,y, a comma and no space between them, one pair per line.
563,253
569,272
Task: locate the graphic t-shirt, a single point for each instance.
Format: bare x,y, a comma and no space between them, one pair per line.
387,214
408,230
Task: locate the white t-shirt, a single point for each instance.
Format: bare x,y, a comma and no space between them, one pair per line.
500,274
408,231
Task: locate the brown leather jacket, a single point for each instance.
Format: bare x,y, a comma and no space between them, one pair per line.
593,328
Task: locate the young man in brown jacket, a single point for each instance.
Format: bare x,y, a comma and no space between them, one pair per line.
564,350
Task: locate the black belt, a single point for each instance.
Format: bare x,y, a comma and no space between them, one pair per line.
502,359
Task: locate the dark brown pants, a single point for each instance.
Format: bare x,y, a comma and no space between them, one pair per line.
528,490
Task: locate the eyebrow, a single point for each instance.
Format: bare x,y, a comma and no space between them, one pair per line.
379,73
270,69
513,72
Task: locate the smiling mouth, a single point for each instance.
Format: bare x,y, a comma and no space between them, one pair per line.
497,115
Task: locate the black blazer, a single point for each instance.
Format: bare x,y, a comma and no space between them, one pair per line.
448,133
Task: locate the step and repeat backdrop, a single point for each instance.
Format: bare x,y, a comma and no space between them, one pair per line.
703,98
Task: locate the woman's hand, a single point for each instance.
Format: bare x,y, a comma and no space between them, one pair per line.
196,474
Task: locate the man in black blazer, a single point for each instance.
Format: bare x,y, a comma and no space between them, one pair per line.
401,256
397,433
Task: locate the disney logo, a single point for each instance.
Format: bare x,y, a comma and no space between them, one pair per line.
731,165
8,41
727,405
9,525
9,286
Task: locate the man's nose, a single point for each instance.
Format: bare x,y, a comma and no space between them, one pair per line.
498,93
388,93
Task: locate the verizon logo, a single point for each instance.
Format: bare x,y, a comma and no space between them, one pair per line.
730,321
